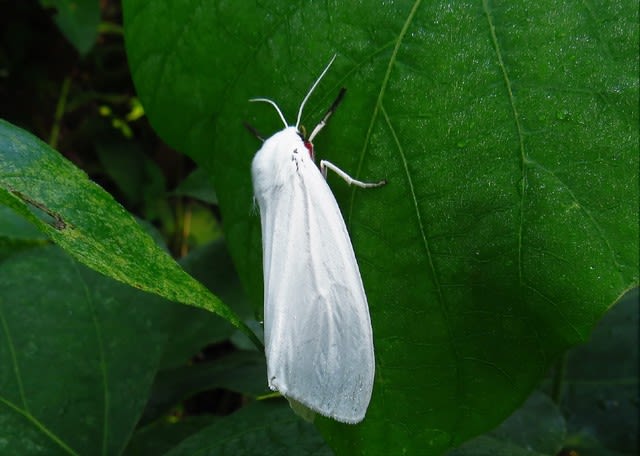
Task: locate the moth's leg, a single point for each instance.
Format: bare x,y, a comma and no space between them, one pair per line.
324,165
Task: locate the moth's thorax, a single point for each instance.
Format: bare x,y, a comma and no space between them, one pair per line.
309,146
280,156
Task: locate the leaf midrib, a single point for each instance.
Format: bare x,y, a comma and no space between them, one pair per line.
24,410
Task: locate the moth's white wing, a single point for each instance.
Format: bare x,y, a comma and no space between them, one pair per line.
318,336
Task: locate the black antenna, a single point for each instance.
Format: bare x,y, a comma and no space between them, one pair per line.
253,131
330,111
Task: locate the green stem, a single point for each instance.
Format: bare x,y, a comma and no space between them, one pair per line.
110,28
60,109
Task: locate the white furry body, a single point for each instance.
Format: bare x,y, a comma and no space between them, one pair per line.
318,337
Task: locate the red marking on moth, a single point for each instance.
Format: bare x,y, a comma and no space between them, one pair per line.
309,147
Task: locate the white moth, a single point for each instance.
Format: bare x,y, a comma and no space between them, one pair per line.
318,337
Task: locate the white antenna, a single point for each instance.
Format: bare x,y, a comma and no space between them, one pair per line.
272,103
312,89
315,84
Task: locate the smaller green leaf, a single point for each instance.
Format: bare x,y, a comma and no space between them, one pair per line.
78,20
241,372
124,163
198,185
159,437
193,328
82,218
260,428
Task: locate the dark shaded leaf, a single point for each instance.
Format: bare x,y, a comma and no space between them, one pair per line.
17,234
78,354
198,185
193,328
256,429
160,437
241,372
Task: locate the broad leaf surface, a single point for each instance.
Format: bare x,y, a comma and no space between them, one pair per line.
82,218
78,354
508,134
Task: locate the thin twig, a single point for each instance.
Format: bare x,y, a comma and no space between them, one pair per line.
60,109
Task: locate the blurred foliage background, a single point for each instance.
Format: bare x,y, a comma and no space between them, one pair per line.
74,91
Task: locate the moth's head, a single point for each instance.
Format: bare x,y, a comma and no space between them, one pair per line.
302,132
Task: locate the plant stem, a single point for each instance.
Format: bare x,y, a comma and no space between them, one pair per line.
60,109
110,28
186,228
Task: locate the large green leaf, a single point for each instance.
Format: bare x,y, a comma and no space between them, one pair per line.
85,220
78,354
507,131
